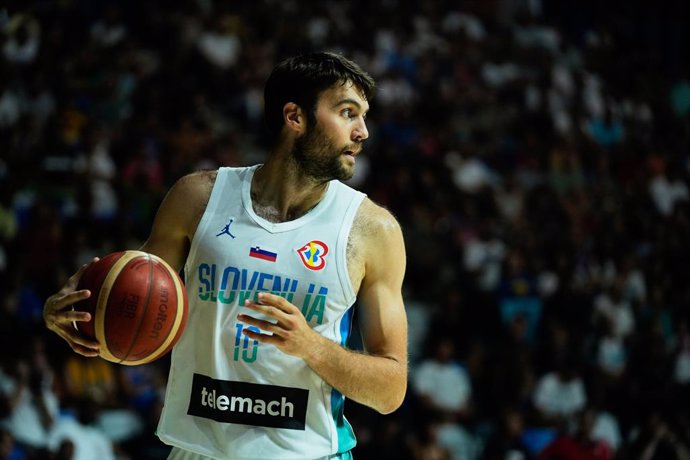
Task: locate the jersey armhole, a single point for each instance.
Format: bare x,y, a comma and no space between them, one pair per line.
343,272
202,226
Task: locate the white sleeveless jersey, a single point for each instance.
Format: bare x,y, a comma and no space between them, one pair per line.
230,397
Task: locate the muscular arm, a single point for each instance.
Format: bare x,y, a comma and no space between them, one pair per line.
172,231
378,377
177,218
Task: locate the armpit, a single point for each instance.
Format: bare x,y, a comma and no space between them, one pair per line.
355,251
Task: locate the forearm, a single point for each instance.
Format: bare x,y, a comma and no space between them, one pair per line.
379,382
377,379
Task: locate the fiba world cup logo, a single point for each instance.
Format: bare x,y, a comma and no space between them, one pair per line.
313,254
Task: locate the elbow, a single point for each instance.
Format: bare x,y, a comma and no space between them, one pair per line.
392,401
388,408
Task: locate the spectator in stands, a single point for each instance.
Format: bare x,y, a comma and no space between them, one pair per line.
445,390
560,394
33,403
580,445
442,382
506,442
498,112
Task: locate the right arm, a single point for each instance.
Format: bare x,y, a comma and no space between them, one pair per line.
177,218
171,235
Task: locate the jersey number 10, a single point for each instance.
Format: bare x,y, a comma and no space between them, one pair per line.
245,349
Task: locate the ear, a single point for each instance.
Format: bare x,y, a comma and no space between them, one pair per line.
294,118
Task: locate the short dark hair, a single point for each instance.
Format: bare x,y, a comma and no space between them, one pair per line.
301,79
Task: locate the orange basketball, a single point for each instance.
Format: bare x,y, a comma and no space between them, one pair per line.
138,307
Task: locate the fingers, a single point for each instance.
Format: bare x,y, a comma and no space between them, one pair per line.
283,326
89,353
287,316
75,316
62,320
79,343
274,339
267,310
276,301
272,305
82,342
75,339
84,347
266,326
56,315
59,302
65,297
74,279
278,332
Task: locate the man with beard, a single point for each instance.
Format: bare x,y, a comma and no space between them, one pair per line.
275,256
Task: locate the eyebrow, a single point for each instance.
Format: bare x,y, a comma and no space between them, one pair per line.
348,100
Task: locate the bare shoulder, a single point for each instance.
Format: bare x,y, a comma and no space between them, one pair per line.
189,196
199,183
374,221
178,217
375,237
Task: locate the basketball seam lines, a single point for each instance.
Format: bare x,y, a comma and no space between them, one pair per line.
135,338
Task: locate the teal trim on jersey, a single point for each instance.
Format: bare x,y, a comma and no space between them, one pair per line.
346,325
346,436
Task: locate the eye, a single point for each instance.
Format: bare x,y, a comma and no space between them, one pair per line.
347,113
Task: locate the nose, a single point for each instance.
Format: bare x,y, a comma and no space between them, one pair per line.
360,132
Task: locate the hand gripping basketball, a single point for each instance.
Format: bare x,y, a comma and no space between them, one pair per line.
129,307
138,307
60,316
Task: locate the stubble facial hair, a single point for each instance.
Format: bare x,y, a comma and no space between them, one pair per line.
317,157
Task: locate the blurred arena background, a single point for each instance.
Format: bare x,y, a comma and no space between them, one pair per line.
536,153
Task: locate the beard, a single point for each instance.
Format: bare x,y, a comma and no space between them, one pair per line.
318,157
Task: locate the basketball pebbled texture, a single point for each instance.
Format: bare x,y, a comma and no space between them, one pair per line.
138,307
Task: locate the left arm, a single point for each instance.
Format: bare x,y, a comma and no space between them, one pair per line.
378,377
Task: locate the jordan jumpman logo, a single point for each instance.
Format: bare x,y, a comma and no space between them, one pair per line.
226,230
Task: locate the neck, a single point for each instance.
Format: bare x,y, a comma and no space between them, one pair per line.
281,192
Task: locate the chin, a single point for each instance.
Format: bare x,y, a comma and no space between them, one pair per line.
345,173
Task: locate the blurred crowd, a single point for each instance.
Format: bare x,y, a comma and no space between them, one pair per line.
536,154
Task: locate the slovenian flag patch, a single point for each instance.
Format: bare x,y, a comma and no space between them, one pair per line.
264,254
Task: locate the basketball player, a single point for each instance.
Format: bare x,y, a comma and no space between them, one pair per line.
274,257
